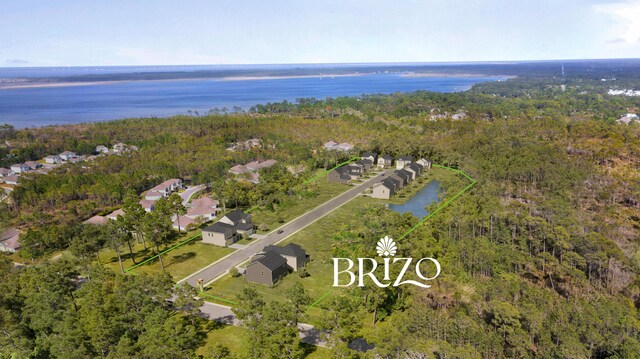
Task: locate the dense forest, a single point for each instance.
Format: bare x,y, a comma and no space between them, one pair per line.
540,258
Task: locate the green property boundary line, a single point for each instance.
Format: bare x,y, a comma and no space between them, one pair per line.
445,204
130,269
329,170
202,294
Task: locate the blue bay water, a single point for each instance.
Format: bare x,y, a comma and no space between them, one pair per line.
30,107
416,204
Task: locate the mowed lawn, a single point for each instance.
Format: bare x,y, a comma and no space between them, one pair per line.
236,339
179,262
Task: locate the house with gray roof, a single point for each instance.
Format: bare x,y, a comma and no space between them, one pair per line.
52,159
384,189
339,175
404,175
365,163
371,156
402,161
20,168
241,221
266,268
385,161
220,234
295,256
424,162
415,170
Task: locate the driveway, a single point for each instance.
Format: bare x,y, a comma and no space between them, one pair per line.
223,314
221,267
189,192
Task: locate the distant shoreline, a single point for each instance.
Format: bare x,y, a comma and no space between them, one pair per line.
34,84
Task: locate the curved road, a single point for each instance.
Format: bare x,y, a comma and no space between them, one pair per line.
222,266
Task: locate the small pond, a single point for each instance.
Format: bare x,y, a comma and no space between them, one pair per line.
423,198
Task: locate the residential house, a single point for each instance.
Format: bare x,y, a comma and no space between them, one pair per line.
385,161
164,189
183,223
339,175
154,195
371,156
13,179
147,204
250,170
266,268
220,234
415,170
238,169
20,168
240,220
4,172
295,256
366,164
114,215
344,146
9,240
119,147
404,174
334,146
355,169
97,220
33,164
626,119
385,189
402,161
258,165
425,163
330,146
52,159
203,208
102,149
67,155
402,180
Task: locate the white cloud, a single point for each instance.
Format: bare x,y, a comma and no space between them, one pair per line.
625,16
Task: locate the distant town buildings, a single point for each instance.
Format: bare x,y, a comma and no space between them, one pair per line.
245,145
334,146
624,92
249,172
627,118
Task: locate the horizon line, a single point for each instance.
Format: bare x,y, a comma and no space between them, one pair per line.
380,63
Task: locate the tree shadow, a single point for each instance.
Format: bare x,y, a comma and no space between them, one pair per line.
181,258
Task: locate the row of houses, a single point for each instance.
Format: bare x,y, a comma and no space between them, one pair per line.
400,162
350,171
199,211
396,180
11,176
229,229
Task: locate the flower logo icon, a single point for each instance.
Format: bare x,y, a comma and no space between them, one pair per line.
386,247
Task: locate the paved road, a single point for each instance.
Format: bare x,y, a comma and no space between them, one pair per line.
189,192
221,267
223,314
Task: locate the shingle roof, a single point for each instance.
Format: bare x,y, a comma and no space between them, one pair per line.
369,154
402,173
220,227
290,249
405,158
271,260
415,166
237,215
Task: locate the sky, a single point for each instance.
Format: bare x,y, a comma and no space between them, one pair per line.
196,32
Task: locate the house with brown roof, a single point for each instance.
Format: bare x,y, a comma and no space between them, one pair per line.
97,220
164,189
12,179
9,240
204,208
5,172
114,215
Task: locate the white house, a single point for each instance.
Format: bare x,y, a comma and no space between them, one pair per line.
425,163
20,168
52,159
9,240
402,161
67,155
385,161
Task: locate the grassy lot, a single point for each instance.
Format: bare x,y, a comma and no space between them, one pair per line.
180,262
316,240
236,339
296,207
